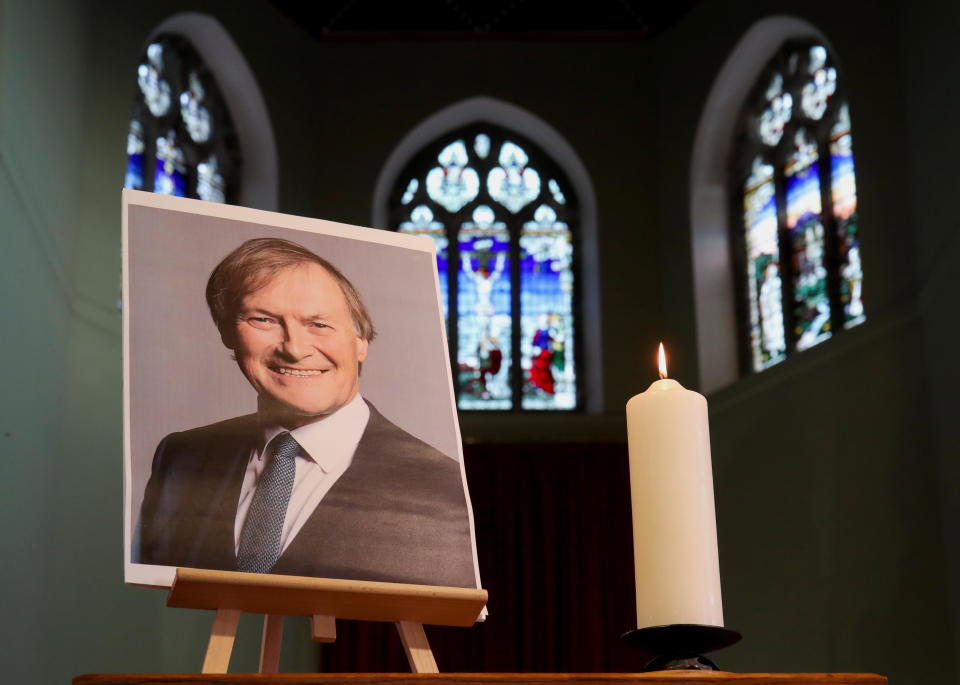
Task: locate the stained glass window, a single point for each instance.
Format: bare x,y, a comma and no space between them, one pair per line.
181,139
504,219
843,193
767,336
795,200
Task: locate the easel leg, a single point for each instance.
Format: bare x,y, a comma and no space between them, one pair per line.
417,648
270,643
323,628
224,630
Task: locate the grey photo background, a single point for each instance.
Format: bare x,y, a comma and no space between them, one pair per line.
181,375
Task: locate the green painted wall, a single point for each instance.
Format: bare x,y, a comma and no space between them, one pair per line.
836,472
929,56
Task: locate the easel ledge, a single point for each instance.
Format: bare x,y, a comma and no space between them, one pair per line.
323,599
359,600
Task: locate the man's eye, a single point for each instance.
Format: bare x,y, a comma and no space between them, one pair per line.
317,324
263,322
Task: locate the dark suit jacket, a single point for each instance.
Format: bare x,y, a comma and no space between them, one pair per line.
398,514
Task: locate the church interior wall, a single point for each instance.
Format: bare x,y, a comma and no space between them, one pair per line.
832,524
838,442
929,62
36,271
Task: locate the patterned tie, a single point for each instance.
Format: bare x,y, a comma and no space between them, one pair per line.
260,538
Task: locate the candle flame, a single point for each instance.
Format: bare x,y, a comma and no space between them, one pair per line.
662,362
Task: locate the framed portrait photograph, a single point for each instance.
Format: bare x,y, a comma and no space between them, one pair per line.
288,404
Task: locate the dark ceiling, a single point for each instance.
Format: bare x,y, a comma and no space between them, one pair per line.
484,19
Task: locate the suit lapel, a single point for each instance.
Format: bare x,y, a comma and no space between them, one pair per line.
326,534
227,463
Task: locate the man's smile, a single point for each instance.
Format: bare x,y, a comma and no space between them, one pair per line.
302,373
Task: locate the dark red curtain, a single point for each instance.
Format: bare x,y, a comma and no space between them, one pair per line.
556,555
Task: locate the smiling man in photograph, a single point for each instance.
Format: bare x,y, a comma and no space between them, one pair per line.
317,482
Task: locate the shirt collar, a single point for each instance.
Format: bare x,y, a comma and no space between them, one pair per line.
331,441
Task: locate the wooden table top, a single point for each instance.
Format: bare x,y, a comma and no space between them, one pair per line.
657,678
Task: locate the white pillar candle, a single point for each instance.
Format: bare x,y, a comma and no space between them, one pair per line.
674,524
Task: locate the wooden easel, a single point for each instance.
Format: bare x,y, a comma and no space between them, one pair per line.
231,593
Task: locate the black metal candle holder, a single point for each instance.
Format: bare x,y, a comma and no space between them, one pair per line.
680,646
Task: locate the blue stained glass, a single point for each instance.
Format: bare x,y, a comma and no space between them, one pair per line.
133,178
181,139
170,177
169,181
803,273
844,197
767,333
484,312
805,228
421,223
498,210
546,313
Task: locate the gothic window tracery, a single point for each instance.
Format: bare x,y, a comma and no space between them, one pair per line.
504,220
181,139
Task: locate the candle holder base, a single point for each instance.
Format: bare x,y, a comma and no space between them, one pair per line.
680,646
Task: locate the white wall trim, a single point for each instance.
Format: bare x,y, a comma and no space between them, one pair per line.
523,122
259,171
714,290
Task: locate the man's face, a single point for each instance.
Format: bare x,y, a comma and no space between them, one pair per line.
296,343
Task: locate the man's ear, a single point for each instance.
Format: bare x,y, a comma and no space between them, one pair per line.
362,345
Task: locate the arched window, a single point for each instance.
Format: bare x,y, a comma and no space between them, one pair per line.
796,245
505,219
181,140
199,126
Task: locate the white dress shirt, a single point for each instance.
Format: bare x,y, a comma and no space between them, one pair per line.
326,451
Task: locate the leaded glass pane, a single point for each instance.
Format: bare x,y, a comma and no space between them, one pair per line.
513,184
556,192
484,313
181,139
767,332
811,309
170,177
421,223
453,184
195,115
135,161
844,195
546,313
821,84
210,185
481,145
155,89
410,192
777,112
